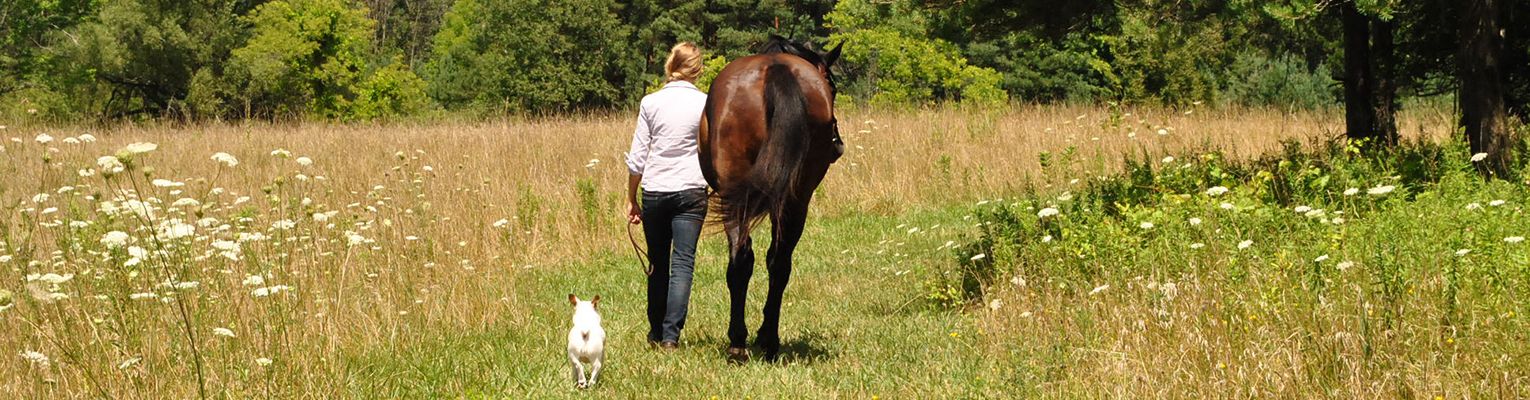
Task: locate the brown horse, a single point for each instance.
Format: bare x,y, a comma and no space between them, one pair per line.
768,135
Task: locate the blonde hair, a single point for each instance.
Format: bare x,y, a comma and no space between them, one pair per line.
684,62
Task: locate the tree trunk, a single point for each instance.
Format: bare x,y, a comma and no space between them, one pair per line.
1358,115
1384,84
1482,87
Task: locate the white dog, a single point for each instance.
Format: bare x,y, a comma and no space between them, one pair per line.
586,341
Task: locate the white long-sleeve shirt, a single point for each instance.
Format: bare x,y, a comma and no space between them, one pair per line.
664,143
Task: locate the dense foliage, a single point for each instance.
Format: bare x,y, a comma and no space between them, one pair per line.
368,59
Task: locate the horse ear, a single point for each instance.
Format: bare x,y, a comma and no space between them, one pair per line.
572,300
596,302
829,59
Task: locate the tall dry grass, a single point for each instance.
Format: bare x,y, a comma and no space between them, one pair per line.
426,202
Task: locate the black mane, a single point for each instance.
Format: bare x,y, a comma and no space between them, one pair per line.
778,44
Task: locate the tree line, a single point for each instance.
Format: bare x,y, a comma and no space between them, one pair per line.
368,59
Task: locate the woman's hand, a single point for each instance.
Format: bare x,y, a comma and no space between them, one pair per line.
634,213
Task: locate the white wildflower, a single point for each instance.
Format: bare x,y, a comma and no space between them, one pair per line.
87,138
138,148
1216,191
110,165
254,280
144,296
44,138
1197,245
1514,239
1146,225
1321,258
1195,221
225,332
1351,191
1479,157
1496,203
1380,190
1245,244
186,202
979,256
304,161
1098,289
166,183
228,249
1047,212
263,361
50,277
1345,266
226,159
269,290
1463,252
114,239
36,358
995,304
283,153
324,216
175,229
1302,209
501,223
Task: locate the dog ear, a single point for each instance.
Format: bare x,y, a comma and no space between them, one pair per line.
572,300
596,301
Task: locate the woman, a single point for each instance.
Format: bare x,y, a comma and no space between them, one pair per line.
674,203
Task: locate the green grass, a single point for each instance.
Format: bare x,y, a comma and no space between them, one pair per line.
854,324
879,308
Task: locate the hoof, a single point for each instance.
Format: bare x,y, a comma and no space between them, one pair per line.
770,347
738,355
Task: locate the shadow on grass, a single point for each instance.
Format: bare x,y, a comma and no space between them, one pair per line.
806,348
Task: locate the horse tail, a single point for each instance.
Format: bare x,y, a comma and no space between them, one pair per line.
777,168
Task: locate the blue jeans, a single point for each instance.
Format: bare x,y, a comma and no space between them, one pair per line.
672,224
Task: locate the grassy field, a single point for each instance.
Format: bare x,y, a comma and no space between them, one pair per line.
433,261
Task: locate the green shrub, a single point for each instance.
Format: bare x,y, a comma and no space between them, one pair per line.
1289,218
1282,81
393,91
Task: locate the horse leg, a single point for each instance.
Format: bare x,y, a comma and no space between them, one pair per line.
740,269
787,231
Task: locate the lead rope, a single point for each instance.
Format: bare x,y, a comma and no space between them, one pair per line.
642,255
